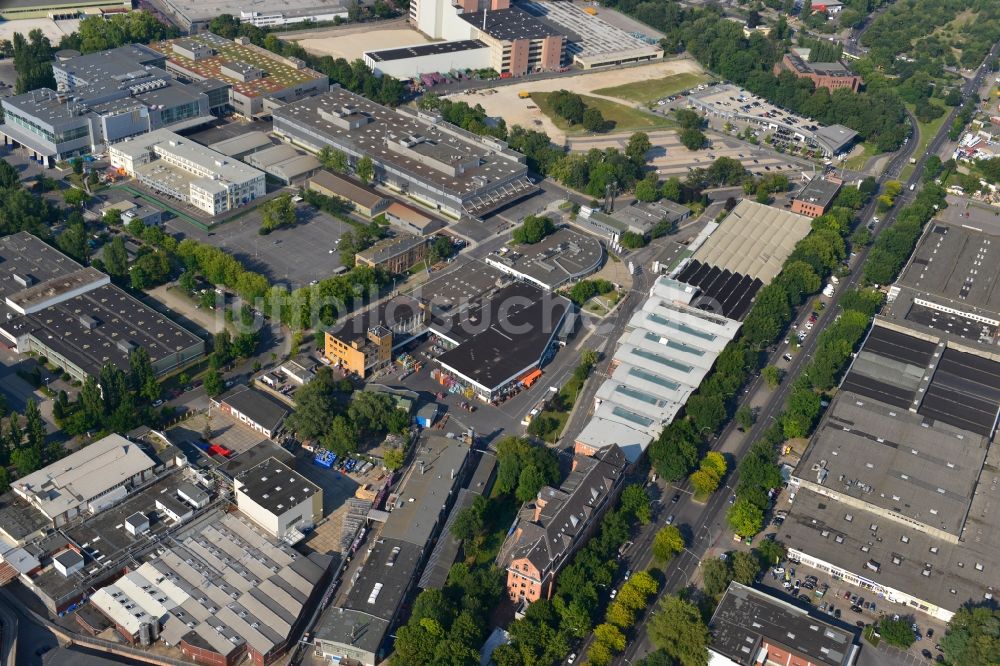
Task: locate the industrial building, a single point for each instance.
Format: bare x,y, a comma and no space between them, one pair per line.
220,592
639,217
364,342
519,43
103,98
357,629
415,153
948,287
75,318
193,16
895,491
279,500
411,220
284,162
816,197
396,255
14,10
503,341
831,75
409,62
253,408
667,348
562,257
259,80
187,171
365,200
87,480
752,627
552,527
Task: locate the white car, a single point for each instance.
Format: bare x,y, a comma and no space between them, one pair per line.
614,593
570,659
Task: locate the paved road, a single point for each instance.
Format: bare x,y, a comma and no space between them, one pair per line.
705,524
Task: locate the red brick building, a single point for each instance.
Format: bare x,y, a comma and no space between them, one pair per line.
558,522
816,197
832,75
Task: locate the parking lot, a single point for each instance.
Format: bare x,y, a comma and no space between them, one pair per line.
294,255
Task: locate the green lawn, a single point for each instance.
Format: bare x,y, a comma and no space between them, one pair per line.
620,118
645,92
857,163
925,132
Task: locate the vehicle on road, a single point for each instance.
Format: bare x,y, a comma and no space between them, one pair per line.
670,519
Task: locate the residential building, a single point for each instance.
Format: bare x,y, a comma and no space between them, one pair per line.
219,593
258,79
552,527
253,408
409,62
185,170
562,257
832,75
75,318
365,200
56,126
279,500
87,480
397,254
414,152
816,197
365,342
753,628
357,629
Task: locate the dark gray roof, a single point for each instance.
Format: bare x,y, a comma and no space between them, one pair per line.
257,406
393,313
510,24
746,618
276,487
69,558
434,48
819,191
254,456
822,68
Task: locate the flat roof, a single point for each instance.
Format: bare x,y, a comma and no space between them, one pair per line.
276,486
819,191
85,474
921,469
241,144
418,145
107,64
394,313
279,74
728,293
420,50
255,405
220,166
891,366
387,248
837,69
754,240
348,189
509,334
746,618
558,258
203,11
39,293
510,24
835,136
252,457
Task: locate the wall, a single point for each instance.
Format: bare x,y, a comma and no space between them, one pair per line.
258,514
408,68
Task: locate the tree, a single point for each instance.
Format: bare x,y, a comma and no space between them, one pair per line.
679,630
316,405
75,198
9,178
900,634
647,189
333,159
593,120
632,240
668,542
116,258
973,636
744,418
73,241
533,229
716,575
620,615
772,375
214,384
638,146
4,480
34,425
771,551
692,139
703,483
393,459
746,567
671,189
365,169
26,459
611,636
635,501
745,518
471,520
278,212
569,106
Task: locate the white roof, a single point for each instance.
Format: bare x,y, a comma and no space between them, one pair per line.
600,433
78,478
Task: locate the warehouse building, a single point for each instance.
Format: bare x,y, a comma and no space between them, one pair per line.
397,254
187,171
279,500
667,348
194,16
552,527
285,163
357,629
75,318
638,217
560,258
220,593
254,74
900,471
411,220
365,342
415,153
409,62
83,71
243,144
56,126
14,10
87,480
752,627
816,197
519,43
504,341
365,200
253,408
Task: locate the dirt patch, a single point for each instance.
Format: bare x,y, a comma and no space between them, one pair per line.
351,45
504,102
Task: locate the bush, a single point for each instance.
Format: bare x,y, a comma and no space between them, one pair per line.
532,230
